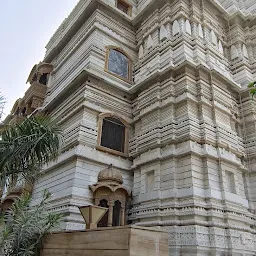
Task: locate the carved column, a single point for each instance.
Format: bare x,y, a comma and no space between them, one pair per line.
123,214
110,214
97,201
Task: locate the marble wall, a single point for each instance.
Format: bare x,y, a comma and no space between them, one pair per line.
191,164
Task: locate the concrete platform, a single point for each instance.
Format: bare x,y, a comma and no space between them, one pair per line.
118,241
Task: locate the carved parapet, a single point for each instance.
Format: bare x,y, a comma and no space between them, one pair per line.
35,93
16,119
36,102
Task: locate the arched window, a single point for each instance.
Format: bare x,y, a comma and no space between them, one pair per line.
113,134
43,79
118,63
175,28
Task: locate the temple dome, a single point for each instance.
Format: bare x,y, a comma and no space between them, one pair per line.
110,175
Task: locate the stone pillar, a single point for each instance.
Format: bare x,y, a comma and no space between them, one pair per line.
110,214
123,215
97,201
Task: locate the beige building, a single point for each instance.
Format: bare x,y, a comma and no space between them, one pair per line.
158,121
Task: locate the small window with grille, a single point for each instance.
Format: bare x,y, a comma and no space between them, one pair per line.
113,134
124,6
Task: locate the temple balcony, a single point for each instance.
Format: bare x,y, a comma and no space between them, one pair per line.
35,94
16,119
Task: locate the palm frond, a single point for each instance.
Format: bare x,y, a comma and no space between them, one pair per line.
34,142
26,226
252,87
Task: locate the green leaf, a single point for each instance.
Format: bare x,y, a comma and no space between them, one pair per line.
27,225
32,143
252,84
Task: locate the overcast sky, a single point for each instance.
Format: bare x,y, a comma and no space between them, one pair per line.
25,28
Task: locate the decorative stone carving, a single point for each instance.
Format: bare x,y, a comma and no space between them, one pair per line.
44,68
245,52
220,47
163,33
141,51
213,38
175,28
184,120
200,31
233,52
150,42
110,175
188,27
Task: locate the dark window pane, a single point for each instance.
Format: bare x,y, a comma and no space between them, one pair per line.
104,221
43,79
116,214
113,134
118,63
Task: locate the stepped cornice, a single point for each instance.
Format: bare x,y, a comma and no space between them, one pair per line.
84,8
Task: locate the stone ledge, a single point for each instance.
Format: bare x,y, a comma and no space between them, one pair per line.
121,241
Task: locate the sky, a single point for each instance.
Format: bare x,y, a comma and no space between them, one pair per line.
25,28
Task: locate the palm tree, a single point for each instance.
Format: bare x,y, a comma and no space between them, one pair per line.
26,147
24,227
252,87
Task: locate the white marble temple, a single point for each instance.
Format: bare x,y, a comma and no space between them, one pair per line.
192,129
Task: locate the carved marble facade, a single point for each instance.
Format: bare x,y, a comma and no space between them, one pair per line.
189,118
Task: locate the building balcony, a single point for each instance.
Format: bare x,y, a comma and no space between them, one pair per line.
35,94
16,119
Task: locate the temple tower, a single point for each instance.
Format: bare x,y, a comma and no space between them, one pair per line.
152,97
